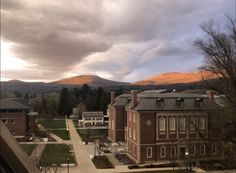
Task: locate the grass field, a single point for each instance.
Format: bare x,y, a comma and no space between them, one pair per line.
28,148
56,154
53,124
63,134
92,134
102,162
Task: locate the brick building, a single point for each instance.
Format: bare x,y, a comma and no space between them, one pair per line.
16,115
162,126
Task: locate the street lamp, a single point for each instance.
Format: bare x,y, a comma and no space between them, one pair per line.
186,157
68,161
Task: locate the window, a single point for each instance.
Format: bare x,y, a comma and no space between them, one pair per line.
193,150
13,132
172,124
173,151
162,151
182,124
199,102
134,150
130,114
134,117
213,149
130,135
112,124
149,152
12,121
160,102
192,123
180,103
4,121
134,134
162,124
202,121
202,149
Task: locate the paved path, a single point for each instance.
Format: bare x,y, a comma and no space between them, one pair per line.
85,164
37,152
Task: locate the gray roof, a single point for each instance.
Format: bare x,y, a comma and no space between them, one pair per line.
92,114
14,104
150,104
147,101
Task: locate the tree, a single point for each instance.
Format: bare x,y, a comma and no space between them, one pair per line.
65,102
219,49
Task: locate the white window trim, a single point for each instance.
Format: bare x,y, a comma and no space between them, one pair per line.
212,149
164,124
192,124
184,120
147,152
130,133
163,154
174,119
134,150
134,117
204,149
134,134
130,114
202,123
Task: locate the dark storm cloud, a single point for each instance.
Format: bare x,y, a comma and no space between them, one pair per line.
113,37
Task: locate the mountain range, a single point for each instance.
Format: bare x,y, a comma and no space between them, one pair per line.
164,79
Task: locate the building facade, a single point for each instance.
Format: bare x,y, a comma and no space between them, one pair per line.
166,127
14,114
92,119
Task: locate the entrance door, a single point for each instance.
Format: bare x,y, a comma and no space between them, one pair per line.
182,152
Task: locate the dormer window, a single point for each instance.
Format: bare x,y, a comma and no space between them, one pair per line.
160,102
199,102
179,102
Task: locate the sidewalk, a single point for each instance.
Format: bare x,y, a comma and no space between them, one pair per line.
37,152
84,162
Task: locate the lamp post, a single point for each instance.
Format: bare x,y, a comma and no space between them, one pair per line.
68,161
186,157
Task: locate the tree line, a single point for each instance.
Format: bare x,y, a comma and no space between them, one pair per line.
84,98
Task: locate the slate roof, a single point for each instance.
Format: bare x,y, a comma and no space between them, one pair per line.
14,104
147,101
92,114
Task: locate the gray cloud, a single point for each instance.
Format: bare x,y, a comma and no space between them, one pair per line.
116,37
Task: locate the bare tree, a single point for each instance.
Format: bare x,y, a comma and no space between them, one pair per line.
219,49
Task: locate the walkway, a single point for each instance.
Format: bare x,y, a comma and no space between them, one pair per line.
37,152
84,162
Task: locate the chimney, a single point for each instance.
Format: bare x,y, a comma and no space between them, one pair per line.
134,95
210,95
113,96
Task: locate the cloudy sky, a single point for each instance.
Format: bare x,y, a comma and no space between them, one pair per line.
124,40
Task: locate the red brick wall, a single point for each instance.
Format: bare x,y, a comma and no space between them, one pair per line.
117,114
20,126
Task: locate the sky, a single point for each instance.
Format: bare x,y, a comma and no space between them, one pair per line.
123,40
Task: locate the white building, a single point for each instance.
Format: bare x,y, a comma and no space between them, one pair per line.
92,119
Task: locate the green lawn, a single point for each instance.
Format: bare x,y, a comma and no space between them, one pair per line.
102,162
63,134
28,148
56,154
92,134
53,124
